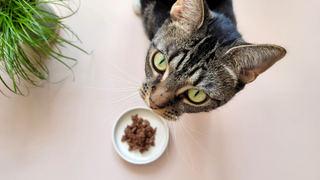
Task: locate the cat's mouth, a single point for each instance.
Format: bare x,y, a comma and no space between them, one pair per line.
166,114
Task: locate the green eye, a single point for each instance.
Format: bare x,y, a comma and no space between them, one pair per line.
196,95
160,62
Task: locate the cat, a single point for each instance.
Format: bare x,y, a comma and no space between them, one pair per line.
197,60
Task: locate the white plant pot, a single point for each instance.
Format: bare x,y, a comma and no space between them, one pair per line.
54,26
31,54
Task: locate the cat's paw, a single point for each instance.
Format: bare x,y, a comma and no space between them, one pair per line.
136,5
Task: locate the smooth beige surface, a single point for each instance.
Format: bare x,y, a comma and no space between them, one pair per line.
268,131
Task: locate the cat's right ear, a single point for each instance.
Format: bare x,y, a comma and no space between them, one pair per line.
189,14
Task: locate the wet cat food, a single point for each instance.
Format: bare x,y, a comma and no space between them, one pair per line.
139,135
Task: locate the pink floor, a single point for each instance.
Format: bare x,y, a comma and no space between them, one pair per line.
269,131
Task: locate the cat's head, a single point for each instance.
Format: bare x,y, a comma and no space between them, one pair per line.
198,61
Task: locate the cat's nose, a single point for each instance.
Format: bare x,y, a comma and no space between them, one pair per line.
152,105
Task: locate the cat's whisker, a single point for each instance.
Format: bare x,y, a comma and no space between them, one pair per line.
142,167
117,98
195,130
168,154
177,146
136,83
171,129
162,133
119,80
195,139
186,144
113,89
127,102
172,132
170,139
124,72
134,94
167,151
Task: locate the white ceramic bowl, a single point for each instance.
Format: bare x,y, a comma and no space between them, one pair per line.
161,136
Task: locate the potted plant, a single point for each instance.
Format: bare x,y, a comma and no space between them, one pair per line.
28,31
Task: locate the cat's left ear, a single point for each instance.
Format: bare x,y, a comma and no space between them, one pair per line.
252,60
189,14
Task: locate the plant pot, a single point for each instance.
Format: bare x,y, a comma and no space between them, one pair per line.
47,41
54,26
38,58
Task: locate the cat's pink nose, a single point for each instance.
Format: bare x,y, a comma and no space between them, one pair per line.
152,105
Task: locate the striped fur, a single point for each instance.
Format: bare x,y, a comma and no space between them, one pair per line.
206,57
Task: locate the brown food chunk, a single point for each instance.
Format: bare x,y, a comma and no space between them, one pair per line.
139,135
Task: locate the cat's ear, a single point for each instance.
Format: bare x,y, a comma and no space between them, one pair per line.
252,60
189,14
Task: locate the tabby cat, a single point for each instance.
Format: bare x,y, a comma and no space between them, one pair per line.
197,60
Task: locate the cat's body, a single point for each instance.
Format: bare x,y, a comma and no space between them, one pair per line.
155,12
197,60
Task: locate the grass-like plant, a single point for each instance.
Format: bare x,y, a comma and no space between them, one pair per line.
27,34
